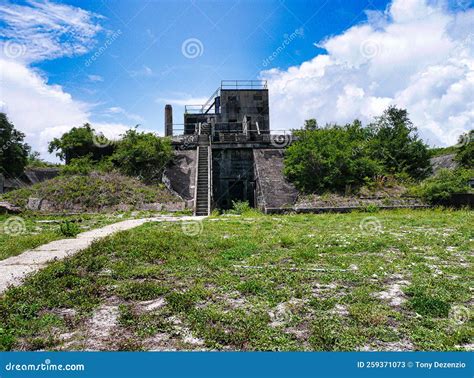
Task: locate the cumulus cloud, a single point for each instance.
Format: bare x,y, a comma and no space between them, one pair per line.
415,55
34,32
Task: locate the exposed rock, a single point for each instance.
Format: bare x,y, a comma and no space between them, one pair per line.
156,206
173,206
8,208
34,203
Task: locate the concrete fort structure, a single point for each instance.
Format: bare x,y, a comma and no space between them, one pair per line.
225,151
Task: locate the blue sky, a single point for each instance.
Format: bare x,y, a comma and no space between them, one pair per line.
331,60
145,66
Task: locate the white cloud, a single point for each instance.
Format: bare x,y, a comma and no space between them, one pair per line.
145,71
95,78
116,110
38,31
43,30
413,55
182,101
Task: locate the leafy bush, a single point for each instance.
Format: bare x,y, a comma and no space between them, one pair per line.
69,229
85,165
144,155
395,144
465,152
444,184
13,151
332,158
79,142
341,158
240,207
371,208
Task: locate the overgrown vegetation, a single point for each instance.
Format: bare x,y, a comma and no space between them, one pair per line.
303,282
143,155
136,154
91,192
81,141
465,151
440,188
342,158
69,229
13,150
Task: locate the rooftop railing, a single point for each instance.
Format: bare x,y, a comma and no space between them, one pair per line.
225,85
243,84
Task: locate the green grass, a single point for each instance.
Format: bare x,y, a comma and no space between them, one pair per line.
20,233
296,282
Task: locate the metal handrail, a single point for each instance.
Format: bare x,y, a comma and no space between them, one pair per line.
212,98
209,176
243,84
196,181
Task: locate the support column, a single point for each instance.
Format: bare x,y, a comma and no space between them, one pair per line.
168,120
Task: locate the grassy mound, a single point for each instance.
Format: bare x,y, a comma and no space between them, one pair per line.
95,191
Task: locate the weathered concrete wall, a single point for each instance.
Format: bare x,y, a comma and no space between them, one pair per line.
237,103
36,175
232,177
273,189
181,174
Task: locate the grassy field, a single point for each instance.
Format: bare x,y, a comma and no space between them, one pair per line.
19,233
400,280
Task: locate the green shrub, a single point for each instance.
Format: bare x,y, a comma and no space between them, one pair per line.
142,155
330,159
443,185
79,142
86,165
69,229
240,207
465,152
13,151
342,158
394,143
371,208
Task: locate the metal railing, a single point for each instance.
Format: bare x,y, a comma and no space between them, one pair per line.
243,84
193,109
209,177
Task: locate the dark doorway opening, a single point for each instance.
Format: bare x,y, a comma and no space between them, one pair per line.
233,177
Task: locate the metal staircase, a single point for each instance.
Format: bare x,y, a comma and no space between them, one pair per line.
203,186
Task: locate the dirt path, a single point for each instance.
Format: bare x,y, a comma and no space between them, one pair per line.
14,269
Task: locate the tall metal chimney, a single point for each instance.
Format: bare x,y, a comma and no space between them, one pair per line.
168,120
